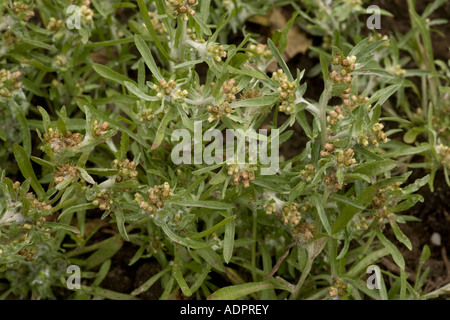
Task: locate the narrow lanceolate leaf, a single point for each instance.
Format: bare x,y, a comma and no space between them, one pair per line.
108,294
120,220
180,240
394,252
204,204
151,30
376,167
321,211
144,50
110,74
138,92
212,258
280,60
400,235
228,241
364,198
86,176
147,284
255,102
160,133
207,232
27,170
239,291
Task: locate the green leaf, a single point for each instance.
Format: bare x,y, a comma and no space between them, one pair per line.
160,133
143,48
150,282
204,204
100,292
80,207
239,291
86,176
280,60
324,67
255,102
382,95
180,240
27,170
317,200
219,225
376,167
105,252
138,92
110,74
394,252
120,220
210,256
400,235
228,241
364,198
102,171
151,30
348,201
368,260
404,151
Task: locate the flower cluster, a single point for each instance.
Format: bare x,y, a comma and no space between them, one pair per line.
346,157
59,142
217,112
103,201
157,23
288,213
383,202
54,24
64,172
396,70
169,89
378,36
342,69
286,91
338,289
308,173
241,175
37,205
444,153
183,8
230,90
216,51
23,9
156,198
9,82
304,232
87,12
260,55
375,137
127,170
147,115
335,115
100,130
332,182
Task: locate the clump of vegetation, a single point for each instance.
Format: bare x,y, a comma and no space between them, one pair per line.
92,118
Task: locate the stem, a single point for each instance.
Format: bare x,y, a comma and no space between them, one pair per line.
254,230
302,279
324,98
